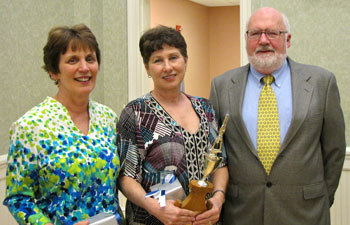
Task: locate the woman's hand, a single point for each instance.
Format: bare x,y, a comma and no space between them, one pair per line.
220,179
213,214
84,222
170,214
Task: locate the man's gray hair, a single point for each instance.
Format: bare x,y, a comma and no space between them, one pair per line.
285,21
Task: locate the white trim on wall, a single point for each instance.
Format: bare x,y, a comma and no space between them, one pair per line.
245,12
3,159
138,14
346,166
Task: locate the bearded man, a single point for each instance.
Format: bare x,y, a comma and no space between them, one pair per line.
285,139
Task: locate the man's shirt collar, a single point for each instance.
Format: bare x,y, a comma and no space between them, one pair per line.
278,74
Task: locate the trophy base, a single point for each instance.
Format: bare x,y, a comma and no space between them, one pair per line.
196,200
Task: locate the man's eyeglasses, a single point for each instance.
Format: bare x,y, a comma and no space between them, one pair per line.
270,34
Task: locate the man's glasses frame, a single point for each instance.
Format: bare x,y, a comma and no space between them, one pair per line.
270,34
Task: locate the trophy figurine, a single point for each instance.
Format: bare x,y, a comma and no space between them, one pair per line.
196,200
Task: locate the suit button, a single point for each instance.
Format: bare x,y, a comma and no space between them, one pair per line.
268,184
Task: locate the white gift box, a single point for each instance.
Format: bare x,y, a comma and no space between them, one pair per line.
173,191
103,219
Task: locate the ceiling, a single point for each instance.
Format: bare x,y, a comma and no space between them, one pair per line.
213,3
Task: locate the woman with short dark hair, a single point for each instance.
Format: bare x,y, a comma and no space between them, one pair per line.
166,132
63,162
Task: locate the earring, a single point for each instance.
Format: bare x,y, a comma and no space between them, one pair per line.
149,76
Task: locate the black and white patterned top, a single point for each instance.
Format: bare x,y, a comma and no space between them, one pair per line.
150,142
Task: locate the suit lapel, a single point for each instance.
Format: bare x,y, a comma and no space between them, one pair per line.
301,92
236,95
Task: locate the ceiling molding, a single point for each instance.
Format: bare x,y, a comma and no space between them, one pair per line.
215,3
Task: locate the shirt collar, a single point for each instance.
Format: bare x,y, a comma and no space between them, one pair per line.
278,74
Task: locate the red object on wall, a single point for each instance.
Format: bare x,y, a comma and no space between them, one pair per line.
178,28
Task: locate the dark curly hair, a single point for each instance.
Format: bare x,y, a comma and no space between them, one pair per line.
154,39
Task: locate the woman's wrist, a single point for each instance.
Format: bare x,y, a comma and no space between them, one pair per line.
218,193
151,205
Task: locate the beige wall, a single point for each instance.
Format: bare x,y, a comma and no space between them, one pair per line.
193,19
320,36
203,28
224,43
24,26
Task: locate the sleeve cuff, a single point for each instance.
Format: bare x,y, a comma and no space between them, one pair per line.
38,219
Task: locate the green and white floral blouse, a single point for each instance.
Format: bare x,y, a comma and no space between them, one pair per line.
56,173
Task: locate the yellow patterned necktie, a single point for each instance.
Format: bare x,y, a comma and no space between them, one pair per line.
269,140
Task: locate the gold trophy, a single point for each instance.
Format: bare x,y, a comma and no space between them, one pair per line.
196,200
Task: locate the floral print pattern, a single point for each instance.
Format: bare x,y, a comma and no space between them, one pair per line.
56,173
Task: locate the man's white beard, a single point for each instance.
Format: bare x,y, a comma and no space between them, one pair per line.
267,62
